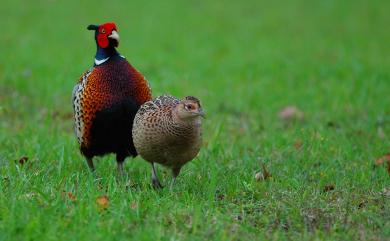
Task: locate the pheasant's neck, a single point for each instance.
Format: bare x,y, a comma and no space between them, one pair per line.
102,55
189,123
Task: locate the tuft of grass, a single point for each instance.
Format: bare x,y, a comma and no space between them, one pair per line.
246,61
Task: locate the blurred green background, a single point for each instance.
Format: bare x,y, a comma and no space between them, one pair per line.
246,61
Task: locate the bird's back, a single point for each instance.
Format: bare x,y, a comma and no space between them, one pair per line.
106,100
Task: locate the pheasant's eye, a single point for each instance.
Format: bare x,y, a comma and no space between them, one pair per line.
103,30
189,107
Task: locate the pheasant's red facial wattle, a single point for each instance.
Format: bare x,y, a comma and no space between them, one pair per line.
106,32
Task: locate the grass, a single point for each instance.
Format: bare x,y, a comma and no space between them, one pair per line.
245,61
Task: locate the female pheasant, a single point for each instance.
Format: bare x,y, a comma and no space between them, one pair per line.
106,99
168,131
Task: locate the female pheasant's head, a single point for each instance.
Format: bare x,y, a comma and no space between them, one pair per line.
189,108
106,35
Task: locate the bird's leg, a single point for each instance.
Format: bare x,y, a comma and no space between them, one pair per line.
175,173
120,160
90,164
120,169
155,182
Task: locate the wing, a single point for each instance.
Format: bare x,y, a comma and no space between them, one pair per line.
77,108
147,107
154,106
75,89
79,88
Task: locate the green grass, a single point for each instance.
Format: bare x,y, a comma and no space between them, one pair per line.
245,61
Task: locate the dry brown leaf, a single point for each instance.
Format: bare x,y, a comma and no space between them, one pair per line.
23,160
290,113
383,159
71,197
102,202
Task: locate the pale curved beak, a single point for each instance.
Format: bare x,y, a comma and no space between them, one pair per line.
114,35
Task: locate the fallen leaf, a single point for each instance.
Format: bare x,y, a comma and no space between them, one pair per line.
71,197
102,202
291,113
23,160
383,159
329,187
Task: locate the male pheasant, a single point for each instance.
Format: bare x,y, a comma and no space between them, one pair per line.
168,131
106,99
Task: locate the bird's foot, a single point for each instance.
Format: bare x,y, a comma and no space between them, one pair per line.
156,184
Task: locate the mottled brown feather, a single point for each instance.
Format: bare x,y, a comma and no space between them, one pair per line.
160,136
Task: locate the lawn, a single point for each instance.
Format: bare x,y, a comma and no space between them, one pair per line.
246,61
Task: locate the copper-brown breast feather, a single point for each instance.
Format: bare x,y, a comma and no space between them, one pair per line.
108,84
